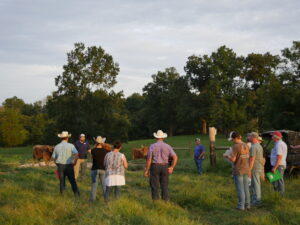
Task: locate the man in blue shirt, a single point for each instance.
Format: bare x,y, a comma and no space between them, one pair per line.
83,149
65,156
199,155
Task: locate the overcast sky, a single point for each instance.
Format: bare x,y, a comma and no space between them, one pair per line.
143,36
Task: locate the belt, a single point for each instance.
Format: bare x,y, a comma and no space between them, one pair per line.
160,164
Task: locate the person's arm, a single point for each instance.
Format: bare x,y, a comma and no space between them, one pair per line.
174,162
295,146
278,158
75,154
54,155
233,155
252,157
202,153
89,148
125,163
148,163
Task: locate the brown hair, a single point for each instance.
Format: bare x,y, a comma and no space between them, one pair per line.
117,144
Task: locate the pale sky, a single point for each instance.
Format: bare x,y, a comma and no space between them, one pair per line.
143,36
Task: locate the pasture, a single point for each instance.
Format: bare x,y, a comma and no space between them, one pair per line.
31,195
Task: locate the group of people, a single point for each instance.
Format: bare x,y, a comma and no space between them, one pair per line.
108,167
248,165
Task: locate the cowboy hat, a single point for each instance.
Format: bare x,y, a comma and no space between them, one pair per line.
160,134
100,140
64,134
255,135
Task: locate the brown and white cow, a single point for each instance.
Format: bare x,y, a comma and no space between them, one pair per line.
40,152
140,153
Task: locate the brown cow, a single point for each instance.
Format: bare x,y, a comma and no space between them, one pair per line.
140,153
42,152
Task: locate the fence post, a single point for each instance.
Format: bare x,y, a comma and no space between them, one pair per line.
212,146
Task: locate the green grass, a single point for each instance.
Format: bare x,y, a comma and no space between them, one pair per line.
30,195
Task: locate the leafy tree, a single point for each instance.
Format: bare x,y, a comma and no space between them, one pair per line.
12,128
86,68
82,103
163,97
14,103
135,106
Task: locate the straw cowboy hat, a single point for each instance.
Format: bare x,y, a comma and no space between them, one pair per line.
64,134
100,140
160,134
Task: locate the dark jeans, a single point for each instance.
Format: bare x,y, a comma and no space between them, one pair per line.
199,165
108,189
159,176
67,170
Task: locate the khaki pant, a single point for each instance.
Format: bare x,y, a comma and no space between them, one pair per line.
80,166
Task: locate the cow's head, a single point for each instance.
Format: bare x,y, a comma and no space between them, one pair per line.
50,148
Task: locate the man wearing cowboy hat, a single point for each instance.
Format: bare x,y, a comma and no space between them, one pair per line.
65,156
256,167
278,159
98,168
157,162
83,148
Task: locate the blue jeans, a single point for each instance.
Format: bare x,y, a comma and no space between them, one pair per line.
255,188
279,185
95,175
199,165
242,188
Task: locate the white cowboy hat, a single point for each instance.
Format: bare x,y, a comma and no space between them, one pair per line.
160,134
64,134
100,139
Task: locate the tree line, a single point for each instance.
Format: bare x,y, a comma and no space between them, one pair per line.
225,90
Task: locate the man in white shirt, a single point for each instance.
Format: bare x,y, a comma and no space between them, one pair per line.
278,160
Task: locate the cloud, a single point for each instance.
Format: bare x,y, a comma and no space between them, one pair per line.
142,36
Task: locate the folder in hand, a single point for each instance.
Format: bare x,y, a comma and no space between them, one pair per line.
274,176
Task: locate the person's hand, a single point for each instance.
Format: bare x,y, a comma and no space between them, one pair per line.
170,170
146,173
273,170
292,146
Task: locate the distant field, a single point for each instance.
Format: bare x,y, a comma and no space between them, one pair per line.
31,195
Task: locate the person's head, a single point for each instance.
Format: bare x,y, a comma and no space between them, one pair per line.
235,137
99,140
276,136
248,138
197,141
118,145
82,137
64,136
254,137
160,135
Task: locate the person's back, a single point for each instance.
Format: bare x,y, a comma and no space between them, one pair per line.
114,164
98,155
279,149
241,164
256,150
161,152
63,153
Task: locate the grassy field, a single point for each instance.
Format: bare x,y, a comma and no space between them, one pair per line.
31,195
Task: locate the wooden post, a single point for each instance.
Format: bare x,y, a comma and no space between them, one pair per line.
212,146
